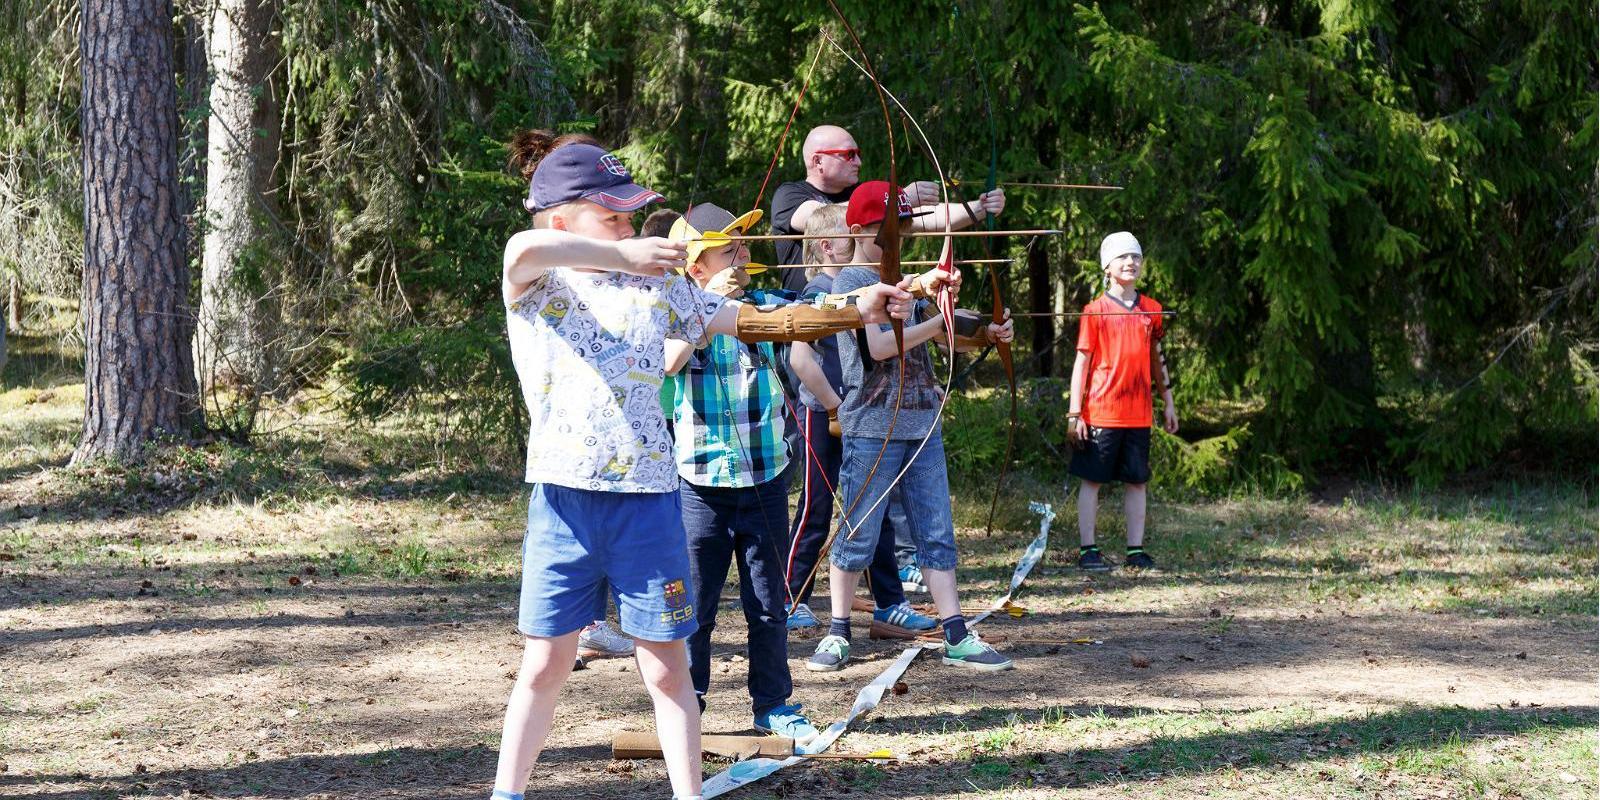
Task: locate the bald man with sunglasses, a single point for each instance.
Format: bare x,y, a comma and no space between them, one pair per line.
833,170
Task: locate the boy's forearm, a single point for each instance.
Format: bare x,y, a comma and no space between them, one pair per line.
881,342
1075,404
811,376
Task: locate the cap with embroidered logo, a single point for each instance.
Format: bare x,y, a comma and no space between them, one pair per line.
586,172
870,201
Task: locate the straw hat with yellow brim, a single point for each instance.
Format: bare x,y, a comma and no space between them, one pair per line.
709,227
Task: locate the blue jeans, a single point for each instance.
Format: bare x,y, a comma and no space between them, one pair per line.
747,526
814,519
924,490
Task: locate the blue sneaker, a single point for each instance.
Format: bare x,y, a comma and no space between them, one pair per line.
904,616
801,617
787,721
911,579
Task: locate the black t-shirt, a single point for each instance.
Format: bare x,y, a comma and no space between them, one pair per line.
785,200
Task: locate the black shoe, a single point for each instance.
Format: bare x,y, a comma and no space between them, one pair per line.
1139,560
1092,561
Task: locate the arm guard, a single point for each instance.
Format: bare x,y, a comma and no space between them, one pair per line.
793,323
971,329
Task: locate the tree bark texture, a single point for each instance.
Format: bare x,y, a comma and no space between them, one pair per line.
1039,289
14,303
237,317
138,368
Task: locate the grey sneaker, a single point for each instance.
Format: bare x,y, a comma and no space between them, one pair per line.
833,652
600,640
973,653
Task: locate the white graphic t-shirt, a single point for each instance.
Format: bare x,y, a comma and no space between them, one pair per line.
589,349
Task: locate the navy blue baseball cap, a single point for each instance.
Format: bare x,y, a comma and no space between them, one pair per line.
585,172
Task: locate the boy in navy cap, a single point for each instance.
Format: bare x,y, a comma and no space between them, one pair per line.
589,309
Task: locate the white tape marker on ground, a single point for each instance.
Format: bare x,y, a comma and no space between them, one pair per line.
754,769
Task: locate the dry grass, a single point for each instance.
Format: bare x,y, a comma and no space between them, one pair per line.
321,618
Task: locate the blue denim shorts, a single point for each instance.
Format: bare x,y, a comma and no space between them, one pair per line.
579,541
925,489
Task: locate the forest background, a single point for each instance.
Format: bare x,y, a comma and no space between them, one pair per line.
1377,220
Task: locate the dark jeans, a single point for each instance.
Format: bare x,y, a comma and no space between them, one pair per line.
815,518
744,526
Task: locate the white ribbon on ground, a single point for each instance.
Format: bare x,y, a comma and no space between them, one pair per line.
754,769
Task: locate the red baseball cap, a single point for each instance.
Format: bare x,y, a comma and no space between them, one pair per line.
869,201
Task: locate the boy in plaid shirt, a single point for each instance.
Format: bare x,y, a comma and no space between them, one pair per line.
730,449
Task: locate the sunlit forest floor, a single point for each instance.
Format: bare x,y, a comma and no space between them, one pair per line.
331,615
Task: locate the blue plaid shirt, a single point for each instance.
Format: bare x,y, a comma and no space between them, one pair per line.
728,422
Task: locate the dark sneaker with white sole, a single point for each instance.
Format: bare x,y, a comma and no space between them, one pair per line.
1139,559
1091,561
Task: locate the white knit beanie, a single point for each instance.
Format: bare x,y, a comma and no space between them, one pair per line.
1118,244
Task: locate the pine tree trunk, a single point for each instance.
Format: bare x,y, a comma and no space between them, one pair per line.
14,303
193,97
138,370
237,320
1039,289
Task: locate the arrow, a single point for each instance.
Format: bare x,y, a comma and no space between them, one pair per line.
798,237
1096,314
1087,186
903,263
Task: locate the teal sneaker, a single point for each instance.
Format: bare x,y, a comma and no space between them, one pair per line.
787,721
833,652
972,653
801,617
904,616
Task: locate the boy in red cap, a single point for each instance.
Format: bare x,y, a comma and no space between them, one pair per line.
881,440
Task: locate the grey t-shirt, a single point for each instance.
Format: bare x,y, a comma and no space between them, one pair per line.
824,350
870,385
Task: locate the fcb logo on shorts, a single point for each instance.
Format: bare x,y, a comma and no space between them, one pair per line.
613,165
675,595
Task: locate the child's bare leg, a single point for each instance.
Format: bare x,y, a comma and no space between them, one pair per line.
1088,504
546,663
664,666
942,586
1133,500
841,590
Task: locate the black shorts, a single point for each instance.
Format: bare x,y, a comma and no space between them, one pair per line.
1114,454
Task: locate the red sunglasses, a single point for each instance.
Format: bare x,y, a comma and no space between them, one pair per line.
843,153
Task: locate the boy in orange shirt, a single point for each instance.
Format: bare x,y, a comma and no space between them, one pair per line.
1111,413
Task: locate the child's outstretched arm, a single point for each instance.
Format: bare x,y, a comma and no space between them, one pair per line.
529,253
